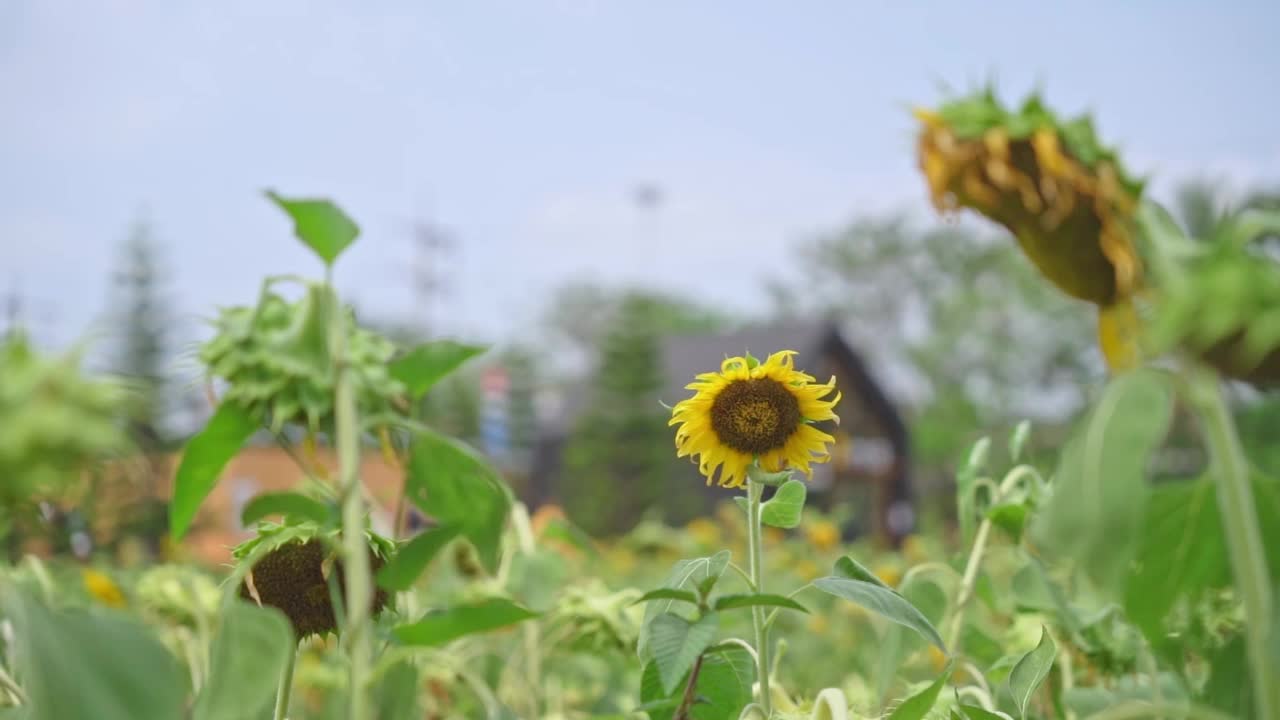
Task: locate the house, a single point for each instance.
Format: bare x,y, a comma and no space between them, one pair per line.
870,464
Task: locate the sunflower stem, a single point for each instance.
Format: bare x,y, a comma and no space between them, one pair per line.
355,549
755,550
286,687
1244,539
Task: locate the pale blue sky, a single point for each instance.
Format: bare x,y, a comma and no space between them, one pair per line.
522,127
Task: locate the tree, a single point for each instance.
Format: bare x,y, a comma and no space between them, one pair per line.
958,319
619,453
142,337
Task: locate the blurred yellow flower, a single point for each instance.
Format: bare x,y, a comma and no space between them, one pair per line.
823,534
937,658
818,623
773,535
913,549
807,570
102,588
751,411
704,531
888,575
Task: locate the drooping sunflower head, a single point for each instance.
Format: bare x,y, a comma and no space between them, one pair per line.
1064,196
751,410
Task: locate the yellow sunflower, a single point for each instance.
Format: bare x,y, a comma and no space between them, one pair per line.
751,411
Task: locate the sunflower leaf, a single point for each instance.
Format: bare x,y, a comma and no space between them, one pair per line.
784,508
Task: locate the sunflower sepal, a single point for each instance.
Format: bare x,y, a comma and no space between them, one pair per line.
757,474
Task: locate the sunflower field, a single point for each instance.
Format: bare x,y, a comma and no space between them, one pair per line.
1088,580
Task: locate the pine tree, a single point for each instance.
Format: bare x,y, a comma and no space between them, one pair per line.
618,457
142,334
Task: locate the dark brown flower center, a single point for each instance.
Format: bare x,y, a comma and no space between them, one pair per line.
755,416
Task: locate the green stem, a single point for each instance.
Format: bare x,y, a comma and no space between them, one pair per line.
755,549
967,585
1244,539
11,686
285,688
355,550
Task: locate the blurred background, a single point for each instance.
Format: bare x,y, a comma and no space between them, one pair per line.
613,196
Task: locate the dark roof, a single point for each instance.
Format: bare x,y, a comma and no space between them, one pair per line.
685,356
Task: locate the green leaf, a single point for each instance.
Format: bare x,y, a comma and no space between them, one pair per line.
403,569
1229,688
668,594
729,602
320,225
1180,550
441,626
203,460
1018,440
685,573
1031,670
917,706
784,508
451,482
677,643
847,567
973,712
100,665
249,653
724,687
1010,517
883,601
1095,511
428,363
292,505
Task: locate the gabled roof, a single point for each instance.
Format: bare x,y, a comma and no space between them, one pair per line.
685,356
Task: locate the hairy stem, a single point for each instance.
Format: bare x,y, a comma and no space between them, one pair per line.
1244,539
285,689
355,550
755,550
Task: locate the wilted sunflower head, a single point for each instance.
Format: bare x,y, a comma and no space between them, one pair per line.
751,410
1063,195
294,578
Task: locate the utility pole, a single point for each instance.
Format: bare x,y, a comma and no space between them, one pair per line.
647,198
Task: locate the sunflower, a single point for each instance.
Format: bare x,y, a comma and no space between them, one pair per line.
751,411
1064,197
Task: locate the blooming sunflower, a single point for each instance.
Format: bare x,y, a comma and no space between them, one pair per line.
1064,197
751,411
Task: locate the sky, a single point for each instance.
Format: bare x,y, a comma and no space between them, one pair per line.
523,129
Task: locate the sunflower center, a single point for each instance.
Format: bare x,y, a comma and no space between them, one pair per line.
755,416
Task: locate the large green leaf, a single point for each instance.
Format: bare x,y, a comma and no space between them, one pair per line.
412,558
451,482
918,706
101,665
292,505
441,626
428,363
688,573
784,509
677,643
320,225
1095,511
206,454
1031,670
1181,549
883,601
723,689
249,653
